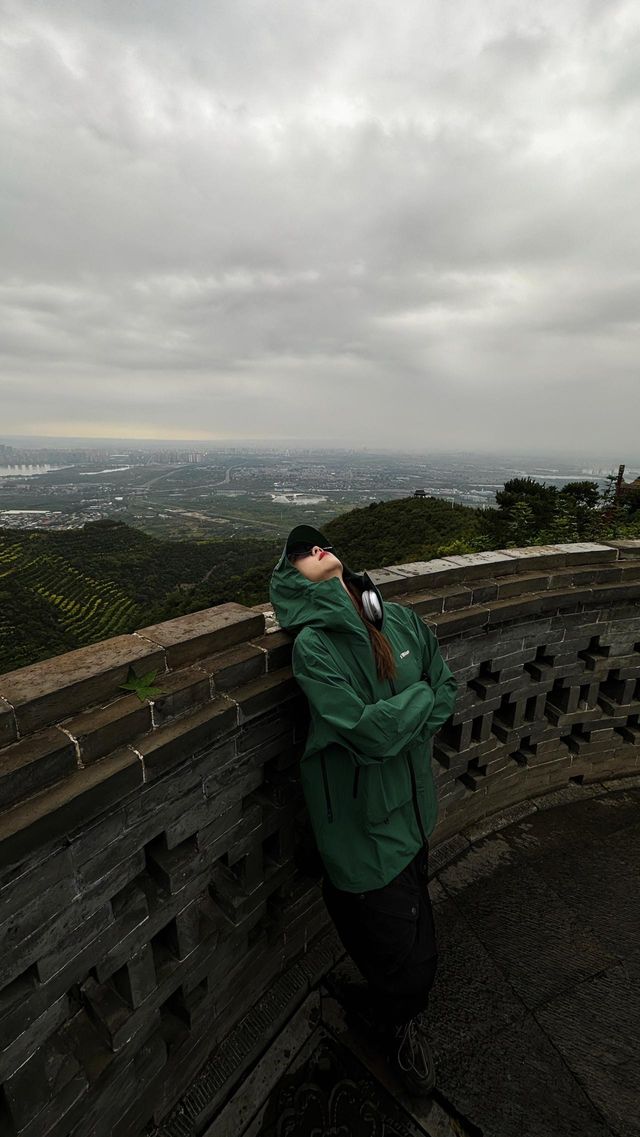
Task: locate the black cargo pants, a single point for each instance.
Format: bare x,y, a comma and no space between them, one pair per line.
390,935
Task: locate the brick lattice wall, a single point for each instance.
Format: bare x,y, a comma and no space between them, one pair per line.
148,885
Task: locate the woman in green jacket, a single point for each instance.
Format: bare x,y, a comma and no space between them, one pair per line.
378,689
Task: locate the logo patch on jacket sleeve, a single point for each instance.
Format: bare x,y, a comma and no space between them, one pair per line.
403,653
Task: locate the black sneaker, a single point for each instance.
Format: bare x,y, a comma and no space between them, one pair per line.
410,1056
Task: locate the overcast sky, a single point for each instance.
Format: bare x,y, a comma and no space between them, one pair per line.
385,223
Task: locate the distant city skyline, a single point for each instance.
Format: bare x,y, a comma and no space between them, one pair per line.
405,227
599,464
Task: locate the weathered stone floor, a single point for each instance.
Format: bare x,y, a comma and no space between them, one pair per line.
535,1011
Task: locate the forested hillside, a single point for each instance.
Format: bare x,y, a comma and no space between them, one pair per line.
61,590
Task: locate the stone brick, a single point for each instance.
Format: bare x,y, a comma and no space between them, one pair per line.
268,728
237,769
262,695
198,634
484,591
518,607
63,928
454,623
108,1009
27,925
624,547
35,763
535,558
138,917
521,583
196,818
278,647
394,580
23,1001
185,782
46,816
571,577
44,692
136,981
247,837
91,870
469,566
625,590
455,597
234,900
103,729
235,666
424,602
92,839
173,868
172,743
179,692
33,881
102,1070
34,1035
184,931
26,1091
620,691
65,948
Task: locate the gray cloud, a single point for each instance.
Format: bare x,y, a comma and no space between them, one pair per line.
244,217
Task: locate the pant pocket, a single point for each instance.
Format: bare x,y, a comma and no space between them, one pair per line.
388,927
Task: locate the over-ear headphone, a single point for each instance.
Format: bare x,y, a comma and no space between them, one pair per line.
370,600
371,606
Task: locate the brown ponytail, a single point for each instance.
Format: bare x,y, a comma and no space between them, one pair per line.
383,654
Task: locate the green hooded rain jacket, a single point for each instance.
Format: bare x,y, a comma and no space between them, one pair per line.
366,768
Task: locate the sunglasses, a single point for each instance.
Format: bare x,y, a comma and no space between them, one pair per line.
299,552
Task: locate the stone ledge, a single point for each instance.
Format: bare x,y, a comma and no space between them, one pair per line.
50,691
53,812
239,664
171,744
35,763
102,730
43,693
189,637
227,648
493,573
494,563
626,548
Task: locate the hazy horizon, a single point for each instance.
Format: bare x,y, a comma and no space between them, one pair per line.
407,228
71,442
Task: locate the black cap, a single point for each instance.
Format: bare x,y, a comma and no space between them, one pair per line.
305,536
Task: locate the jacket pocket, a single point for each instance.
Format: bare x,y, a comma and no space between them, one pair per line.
386,787
327,793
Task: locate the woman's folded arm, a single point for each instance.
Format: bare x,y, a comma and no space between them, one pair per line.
372,731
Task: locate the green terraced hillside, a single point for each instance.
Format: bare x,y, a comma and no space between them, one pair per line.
60,590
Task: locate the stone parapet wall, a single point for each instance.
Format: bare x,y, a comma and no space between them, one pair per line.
149,888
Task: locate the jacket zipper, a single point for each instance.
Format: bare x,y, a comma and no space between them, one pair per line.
326,788
414,788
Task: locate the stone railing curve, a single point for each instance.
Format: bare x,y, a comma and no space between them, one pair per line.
149,890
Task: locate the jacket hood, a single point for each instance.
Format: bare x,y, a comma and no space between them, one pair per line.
298,602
